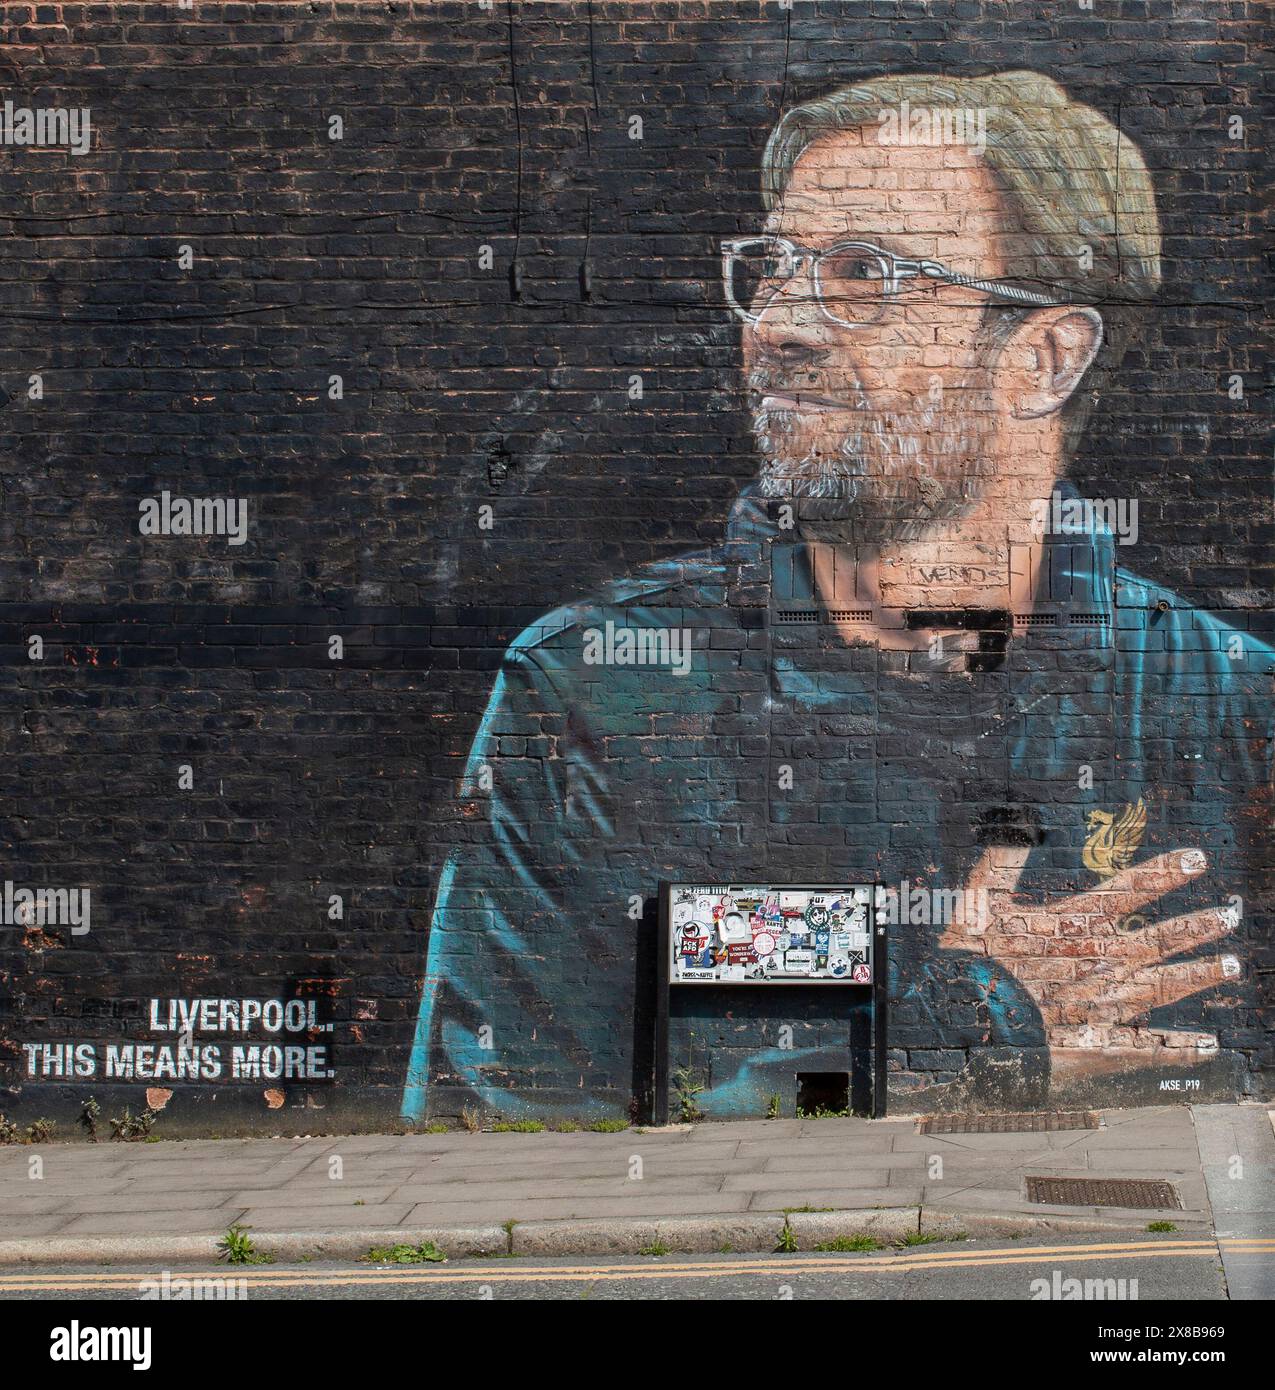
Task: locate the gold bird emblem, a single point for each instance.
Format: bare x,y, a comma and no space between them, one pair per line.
1113,839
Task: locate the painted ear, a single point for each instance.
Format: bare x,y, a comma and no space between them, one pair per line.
1058,347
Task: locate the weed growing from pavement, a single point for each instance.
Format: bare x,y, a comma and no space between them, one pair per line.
236,1248
425,1253
90,1113
37,1132
687,1089
518,1127
1161,1226
655,1248
928,1238
787,1241
609,1126
130,1126
842,1244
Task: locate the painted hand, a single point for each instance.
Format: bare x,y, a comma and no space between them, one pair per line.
1092,962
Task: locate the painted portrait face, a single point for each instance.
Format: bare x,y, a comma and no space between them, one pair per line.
890,419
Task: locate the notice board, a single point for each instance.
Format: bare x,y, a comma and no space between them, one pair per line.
768,934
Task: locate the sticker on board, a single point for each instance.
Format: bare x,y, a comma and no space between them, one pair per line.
762,934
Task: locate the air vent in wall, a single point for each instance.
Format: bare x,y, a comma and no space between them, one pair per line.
798,615
850,615
1086,620
1035,620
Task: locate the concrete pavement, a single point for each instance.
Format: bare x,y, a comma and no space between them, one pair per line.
694,1188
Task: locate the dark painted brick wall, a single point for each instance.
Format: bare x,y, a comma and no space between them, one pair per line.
359,257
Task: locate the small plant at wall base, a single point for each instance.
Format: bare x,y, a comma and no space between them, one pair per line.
40,1131
687,1089
8,1131
90,1113
130,1126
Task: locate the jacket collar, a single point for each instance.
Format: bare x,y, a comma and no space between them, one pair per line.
1078,570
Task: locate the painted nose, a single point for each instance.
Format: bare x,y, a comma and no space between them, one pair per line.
790,329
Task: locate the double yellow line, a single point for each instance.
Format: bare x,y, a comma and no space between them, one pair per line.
786,1266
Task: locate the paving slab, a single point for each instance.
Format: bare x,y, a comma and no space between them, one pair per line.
824,1180
15,1227
973,1143
799,1163
124,1203
11,1191
298,1218
614,1188
337,1194
775,1148
30,1203
111,1223
499,1212
1168,1159
836,1199
479,1155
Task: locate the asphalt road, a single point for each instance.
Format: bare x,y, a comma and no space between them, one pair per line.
1176,1267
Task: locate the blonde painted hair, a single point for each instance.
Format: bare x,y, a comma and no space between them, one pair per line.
1071,179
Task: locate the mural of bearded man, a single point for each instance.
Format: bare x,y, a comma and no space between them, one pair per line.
900,675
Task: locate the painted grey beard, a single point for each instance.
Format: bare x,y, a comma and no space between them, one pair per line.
895,473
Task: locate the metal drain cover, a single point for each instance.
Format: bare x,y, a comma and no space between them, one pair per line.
1037,1122
1151,1194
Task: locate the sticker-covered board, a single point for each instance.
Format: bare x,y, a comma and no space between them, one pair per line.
764,934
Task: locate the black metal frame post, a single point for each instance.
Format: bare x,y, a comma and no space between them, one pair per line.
880,1014
662,986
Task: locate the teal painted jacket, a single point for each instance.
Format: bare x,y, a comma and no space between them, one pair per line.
590,781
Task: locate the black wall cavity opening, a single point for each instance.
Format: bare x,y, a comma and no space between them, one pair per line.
823,1090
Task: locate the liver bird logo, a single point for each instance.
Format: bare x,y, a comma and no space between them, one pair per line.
1113,839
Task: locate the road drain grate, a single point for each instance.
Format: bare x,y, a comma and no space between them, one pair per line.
1039,1122
1145,1193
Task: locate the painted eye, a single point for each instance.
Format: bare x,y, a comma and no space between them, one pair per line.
852,284
849,267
